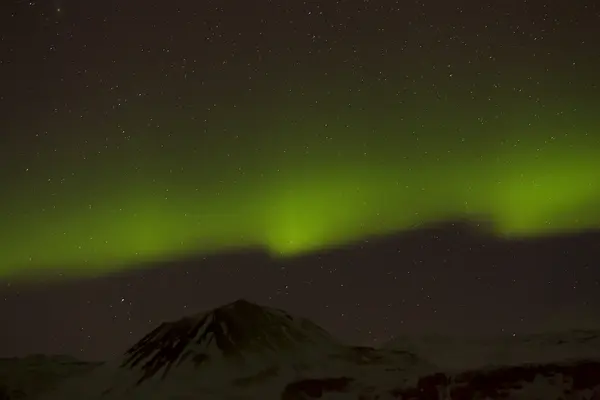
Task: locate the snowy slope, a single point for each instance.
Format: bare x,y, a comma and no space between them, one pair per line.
459,353
22,378
237,350
557,366
578,380
246,351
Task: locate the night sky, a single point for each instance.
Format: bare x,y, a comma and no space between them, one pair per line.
380,167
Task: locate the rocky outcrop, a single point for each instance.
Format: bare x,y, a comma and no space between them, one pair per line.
576,381
567,381
315,388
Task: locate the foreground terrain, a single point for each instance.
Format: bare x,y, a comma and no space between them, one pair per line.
246,351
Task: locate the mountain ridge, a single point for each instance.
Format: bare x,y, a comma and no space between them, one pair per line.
243,350
235,328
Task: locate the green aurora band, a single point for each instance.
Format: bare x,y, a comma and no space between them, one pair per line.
328,178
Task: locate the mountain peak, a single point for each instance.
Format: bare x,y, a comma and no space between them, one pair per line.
240,305
242,301
232,331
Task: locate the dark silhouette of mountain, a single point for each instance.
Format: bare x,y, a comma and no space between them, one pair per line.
554,381
246,351
548,382
232,330
27,377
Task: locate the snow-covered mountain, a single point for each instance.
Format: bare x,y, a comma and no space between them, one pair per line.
240,334
27,377
246,351
239,351
549,366
460,353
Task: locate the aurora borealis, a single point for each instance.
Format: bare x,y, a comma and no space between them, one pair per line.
379,167
326,181
136,164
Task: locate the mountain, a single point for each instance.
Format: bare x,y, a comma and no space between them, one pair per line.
240,332
548,366
246,351
577,380
22,378
238,350
460,353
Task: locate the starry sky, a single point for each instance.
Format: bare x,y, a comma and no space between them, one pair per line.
380,167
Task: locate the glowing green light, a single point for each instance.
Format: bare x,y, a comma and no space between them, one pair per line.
318,186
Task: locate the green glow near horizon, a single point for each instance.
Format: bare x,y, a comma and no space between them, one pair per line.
318,185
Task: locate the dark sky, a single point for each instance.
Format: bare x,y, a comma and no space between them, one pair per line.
379,167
